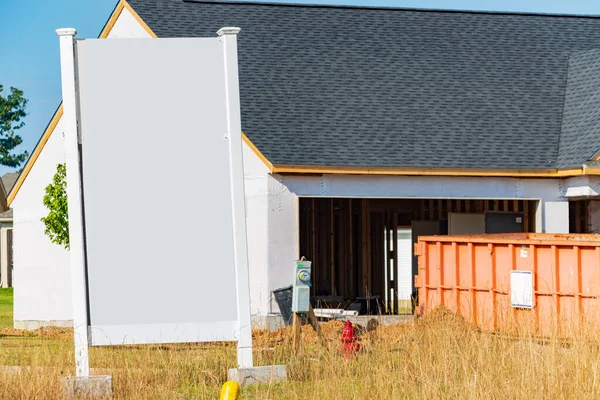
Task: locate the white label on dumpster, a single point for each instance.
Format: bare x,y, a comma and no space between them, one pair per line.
521,289
523,253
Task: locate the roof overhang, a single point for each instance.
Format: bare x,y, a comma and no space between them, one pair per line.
512,173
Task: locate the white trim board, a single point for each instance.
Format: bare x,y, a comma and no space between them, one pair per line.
104,335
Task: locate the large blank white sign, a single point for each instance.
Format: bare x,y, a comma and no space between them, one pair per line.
157,190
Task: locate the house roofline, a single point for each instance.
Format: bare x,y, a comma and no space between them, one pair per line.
308,169
258,153
138,19
112,19
116,13
392,8
35,154
509,173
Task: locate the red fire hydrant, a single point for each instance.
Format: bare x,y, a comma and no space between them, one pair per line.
350,341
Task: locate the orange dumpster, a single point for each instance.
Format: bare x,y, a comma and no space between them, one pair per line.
542,283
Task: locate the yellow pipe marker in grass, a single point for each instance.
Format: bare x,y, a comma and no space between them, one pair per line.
230,391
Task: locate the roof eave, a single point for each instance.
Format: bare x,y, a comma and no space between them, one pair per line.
349,170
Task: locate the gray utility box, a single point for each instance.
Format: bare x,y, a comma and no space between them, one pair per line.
301,294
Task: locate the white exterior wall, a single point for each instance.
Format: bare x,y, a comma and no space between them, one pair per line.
42,278
582,187
126,26
283,236
257,194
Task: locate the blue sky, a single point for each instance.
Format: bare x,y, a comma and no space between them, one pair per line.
29,46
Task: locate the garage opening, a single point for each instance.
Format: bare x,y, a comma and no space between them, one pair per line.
362,249
579,216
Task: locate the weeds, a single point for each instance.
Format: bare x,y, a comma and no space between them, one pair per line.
438,356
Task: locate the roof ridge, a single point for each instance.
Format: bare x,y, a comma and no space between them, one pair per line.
397,8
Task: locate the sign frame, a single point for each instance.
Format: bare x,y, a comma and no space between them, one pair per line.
77,254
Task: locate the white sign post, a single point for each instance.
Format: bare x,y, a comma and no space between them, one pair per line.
127,104
76,252
234,132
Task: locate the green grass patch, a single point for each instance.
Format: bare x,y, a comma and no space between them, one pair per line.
6,308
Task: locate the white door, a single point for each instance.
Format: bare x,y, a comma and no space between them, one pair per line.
398,270
404,277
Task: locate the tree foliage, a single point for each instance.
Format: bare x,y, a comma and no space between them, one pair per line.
55,200
12,112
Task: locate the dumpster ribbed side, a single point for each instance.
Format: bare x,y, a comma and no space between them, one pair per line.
472,279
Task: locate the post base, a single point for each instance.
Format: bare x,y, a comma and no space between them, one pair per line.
88,386
254,375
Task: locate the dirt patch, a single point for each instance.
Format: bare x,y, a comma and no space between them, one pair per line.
266,338
389,334
332,331
50,332
16,332
53,332
441,317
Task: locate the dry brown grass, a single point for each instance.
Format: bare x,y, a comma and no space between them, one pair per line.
439,356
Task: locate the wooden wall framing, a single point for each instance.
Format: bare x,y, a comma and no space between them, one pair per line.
344,237
579,216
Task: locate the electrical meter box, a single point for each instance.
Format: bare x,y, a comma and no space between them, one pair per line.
301,292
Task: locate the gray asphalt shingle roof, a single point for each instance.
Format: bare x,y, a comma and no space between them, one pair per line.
7,214
9,179
580,136
350,86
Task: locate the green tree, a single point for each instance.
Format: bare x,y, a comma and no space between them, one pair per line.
55,200
12,112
